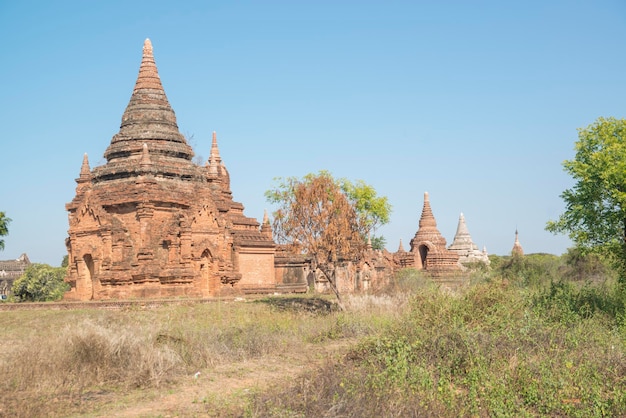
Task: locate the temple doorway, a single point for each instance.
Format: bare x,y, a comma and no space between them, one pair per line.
205,272
423,250
88,275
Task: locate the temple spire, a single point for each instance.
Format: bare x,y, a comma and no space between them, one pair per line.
427,220
85,171
148,118
83,182
266,227
461,229
401,247
517,247
148,74
148,105
215,151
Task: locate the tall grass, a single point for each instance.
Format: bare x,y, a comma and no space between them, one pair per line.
516,346
522,340
54,362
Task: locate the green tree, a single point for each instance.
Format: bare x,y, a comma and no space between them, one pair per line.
581,266
325,218
40,283
4,228
372,210
595,214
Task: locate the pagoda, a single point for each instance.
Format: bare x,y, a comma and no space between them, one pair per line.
428,246
517,247
464,246
151,223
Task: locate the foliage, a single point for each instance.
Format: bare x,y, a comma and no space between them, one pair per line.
531,344
595,214
310,205
40,283
326,218
567,302
579,265
315,215
58,362
527,270
379,242
4,228
372,210
494,350
65,261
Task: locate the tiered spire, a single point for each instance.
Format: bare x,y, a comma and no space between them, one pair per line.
401,247
462,239
464,246
427,220
83,182
85,171
148,103
214,158
517,247
266,227
148,118
428,231
148,74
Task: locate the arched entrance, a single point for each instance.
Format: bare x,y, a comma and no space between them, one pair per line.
84,284
423,251
205,273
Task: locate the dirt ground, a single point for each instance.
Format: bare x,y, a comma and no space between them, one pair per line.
225,385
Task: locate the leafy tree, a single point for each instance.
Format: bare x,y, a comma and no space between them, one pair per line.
39,283
581,266
4,228
325,218
528,270
595,214
372,210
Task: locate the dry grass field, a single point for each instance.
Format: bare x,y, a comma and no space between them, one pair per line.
518,345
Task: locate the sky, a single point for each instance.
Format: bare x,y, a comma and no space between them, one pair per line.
477,103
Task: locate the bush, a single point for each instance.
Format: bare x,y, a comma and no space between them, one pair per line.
40,283
487,352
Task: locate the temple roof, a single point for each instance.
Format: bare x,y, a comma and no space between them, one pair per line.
148,119
462,239
427,220
85,171
428,231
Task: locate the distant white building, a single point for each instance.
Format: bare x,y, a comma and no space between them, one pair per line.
464,246
9,271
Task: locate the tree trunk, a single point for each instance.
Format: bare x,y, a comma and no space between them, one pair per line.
329,271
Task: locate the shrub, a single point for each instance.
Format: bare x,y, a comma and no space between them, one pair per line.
40,283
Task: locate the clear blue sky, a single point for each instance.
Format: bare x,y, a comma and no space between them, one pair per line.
475,102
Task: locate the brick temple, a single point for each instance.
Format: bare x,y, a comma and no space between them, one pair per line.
151,223
428,249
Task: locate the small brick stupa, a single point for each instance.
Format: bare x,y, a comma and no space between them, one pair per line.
151,223
428,246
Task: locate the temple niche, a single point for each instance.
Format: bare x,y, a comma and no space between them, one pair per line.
151,223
